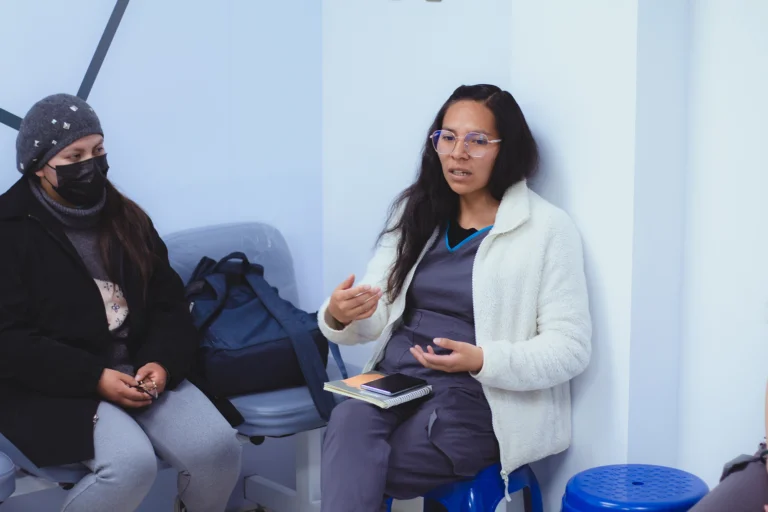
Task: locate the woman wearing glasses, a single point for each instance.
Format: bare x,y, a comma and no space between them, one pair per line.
478,287
95,334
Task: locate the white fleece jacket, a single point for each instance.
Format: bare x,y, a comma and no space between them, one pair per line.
531,320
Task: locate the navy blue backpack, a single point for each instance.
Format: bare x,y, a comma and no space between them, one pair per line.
252,339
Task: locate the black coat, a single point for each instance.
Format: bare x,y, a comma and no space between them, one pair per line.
54,337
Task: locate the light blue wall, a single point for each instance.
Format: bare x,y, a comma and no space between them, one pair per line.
661,173
211,109
33,32
310,115
212,113
387,68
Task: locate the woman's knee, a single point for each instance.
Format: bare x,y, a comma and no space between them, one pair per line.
219,450
133,470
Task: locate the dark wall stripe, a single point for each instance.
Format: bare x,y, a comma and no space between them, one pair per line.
14,121
102,49
9,119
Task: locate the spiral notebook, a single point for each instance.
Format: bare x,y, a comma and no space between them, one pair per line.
351,388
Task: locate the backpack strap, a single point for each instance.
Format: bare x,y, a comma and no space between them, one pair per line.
233,256
203,268
309,361
336,353
219,284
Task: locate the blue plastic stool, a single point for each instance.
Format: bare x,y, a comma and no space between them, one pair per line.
484,492
633,487
7,477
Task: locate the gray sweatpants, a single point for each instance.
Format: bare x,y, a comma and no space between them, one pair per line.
185,429
741,491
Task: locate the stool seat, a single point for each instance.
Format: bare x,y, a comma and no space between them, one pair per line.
7,477
484,492
633,487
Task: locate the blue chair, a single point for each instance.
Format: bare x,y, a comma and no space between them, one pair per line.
280,413
633,487
66,475
484,492
7,477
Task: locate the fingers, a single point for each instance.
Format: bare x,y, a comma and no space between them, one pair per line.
418,353
355,294
142,373
347,283
449,344
365,304
370,312
156,379
134,395
127,379
354,303
429,359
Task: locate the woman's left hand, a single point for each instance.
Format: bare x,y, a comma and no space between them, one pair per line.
153,374
464,357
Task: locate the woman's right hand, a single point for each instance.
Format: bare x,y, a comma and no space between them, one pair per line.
349,304
116,387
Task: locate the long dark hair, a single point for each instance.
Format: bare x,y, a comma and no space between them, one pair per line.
125,227
430,203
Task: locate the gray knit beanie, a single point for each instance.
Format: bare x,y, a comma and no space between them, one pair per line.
52,124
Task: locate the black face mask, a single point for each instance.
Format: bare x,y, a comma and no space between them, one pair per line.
82,183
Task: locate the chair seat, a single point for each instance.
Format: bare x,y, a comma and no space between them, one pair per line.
277,413
283,412
7,477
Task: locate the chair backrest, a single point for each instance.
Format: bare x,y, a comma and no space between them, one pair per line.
262,243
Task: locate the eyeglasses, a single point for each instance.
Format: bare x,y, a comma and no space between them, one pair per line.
476,144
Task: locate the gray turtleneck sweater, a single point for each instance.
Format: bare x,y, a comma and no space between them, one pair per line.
80,226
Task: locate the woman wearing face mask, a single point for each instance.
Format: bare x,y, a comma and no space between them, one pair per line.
95,334
478,287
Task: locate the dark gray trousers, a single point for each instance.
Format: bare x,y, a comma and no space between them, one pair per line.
741,491
404,452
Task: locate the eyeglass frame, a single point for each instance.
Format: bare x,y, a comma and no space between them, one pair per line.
466,144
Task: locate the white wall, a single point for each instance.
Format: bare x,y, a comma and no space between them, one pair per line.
387,68
661,139
578,92
382,74
211,111
22,84
208,124
724,351
245,110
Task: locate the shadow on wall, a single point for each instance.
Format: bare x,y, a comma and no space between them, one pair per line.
550,183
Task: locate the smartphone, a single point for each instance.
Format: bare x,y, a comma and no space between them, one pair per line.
394,384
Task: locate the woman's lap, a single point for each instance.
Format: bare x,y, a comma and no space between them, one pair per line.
446,438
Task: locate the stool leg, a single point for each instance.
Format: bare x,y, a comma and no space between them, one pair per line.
532,499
